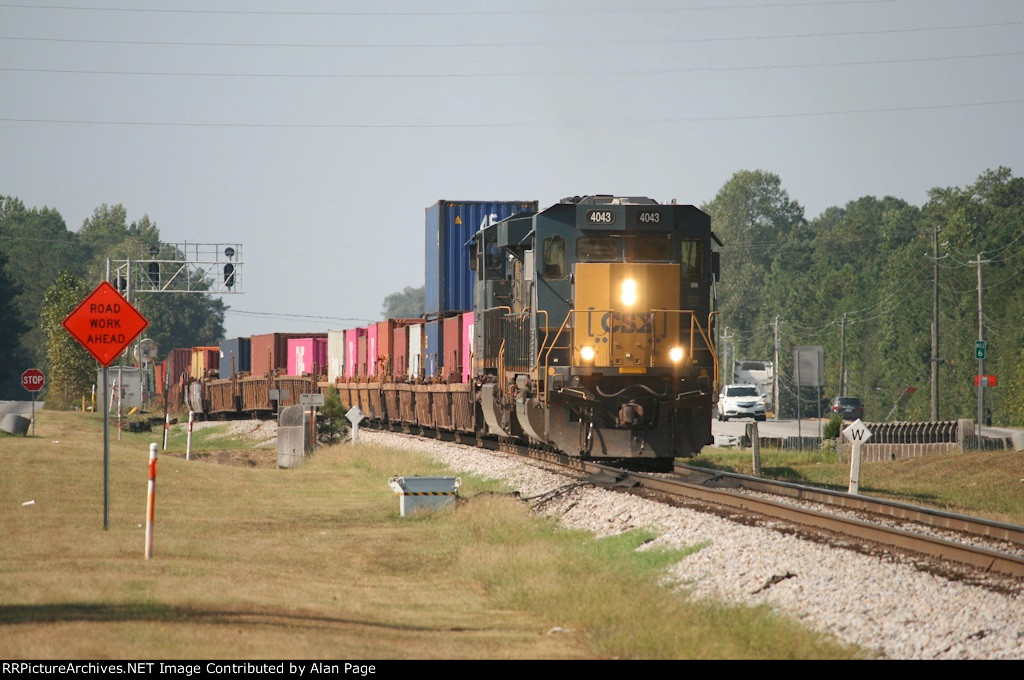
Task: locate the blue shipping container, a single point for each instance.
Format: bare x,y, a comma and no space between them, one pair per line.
432,349
237,349
450,226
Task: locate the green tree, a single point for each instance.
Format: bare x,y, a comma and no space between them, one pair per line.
11,328
71,369
332,423
38,246
405,304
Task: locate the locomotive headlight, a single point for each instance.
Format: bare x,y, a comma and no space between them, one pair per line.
676,354
587,353
628,292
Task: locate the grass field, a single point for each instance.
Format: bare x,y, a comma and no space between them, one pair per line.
983,483
252,562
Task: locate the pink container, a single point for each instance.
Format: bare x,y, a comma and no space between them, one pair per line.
300,356
351,347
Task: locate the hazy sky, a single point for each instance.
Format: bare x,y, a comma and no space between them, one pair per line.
315,133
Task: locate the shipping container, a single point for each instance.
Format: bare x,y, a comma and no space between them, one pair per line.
372,358
300,356
270,351
451,362
361,354
433,351
204,360
335,355
450,225
467,347
400,351
179,365
351,352
415,352
235,356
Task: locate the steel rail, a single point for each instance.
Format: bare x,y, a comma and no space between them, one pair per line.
975,526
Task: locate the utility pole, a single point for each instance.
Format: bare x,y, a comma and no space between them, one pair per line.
935,327
775,371
842,360
725,363
981,361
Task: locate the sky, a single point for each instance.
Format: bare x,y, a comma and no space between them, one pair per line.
314,133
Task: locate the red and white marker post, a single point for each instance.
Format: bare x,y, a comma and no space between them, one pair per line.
151,501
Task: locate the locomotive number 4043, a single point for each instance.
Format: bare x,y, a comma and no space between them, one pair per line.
601,217
648,217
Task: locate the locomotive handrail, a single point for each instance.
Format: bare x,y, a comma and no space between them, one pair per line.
544,393
705,335
714,352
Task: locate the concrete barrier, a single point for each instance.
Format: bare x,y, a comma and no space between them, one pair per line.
292,436
12,423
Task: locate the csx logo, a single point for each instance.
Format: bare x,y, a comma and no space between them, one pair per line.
624,322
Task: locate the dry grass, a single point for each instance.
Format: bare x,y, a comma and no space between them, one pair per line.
982,483
255,562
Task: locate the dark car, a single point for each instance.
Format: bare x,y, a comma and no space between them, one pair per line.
850,408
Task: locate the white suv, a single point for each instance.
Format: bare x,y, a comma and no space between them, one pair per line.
740,401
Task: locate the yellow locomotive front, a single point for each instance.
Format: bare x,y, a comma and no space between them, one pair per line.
627,316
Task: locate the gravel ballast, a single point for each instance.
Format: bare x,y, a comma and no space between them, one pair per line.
880,603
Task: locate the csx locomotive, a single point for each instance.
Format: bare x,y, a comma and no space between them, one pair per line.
594,328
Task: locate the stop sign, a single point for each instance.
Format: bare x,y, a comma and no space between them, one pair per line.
33,380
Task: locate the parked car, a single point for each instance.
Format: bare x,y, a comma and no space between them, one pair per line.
850,408
740,401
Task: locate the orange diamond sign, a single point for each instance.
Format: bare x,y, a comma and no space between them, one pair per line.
105,323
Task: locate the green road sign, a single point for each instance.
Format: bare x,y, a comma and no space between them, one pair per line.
980,347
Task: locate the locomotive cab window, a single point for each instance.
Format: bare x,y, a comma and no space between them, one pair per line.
691,262
599,249
555,264
655,247
648,247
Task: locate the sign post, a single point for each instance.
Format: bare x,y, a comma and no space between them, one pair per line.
857,433
33,381
355,416
312,400
105,324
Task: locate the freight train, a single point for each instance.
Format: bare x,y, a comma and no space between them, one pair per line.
585,328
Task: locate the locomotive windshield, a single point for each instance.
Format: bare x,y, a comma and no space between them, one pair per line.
649,247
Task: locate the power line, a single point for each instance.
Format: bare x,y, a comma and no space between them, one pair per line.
507,74
285,315
524,43
511,124
450,13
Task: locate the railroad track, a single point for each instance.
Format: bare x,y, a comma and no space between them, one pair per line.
867,522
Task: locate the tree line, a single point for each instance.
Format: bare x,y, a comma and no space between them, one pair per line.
46,270
873,261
